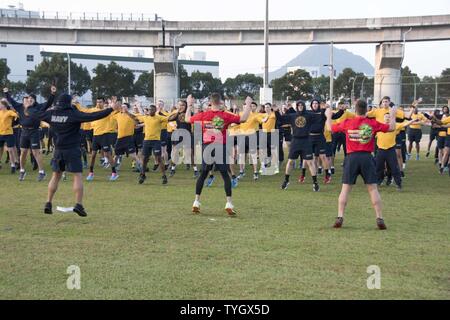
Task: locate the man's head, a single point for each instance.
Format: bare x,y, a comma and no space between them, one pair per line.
387,118
385,102
152,110
445,110
300,105
315,104
64,101
254,106
100,102
216,100
414,109
361,108
125,107
268,107
341,104
160,104
4,104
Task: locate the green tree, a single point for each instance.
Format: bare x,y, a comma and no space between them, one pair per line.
243,85
55,71
444,86
321,87
409,80
296,85
4,71
112,80
18,89
347,81
427,89
185,82
203,84
144,84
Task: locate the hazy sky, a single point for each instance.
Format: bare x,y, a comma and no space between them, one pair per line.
424,58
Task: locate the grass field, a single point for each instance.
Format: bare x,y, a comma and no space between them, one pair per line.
142,242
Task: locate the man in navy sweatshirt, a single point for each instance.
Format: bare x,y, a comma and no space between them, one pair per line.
65,121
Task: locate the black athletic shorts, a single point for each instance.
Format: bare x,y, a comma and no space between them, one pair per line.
400,139
318,144
164,137
434,134
102,142
447,141
30,139
414,135
440,142
359,163
67,160
138,139
89,135
9,139
112,138
287,133
151,146
300,146
125,145
329,149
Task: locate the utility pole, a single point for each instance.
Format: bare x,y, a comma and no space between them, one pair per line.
331,73
68,73
265,93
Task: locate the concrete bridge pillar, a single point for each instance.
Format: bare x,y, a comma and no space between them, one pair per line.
388,64
166,80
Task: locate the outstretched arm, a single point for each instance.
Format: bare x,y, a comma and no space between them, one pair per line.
44,106
247,109
88,117
14,103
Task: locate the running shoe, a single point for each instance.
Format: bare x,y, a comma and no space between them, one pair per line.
142,178
229,208
196,207
79,209
380,224
301,179
285,185
22,175
234,183
210,181
41,176
48,208
338,223
114,177
316,187
90,176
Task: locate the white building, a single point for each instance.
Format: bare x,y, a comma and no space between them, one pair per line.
314,72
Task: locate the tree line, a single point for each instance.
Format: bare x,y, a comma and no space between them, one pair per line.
115,80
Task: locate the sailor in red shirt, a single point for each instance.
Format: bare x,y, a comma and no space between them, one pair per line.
359,135
214,124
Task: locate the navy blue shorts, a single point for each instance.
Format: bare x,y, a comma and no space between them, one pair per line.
67,160
318,144
30,139
138,139
329,149
9,139
151,146
300,147
125,145
359,163
414,135
102,142
164,137
434,134
447,141
440,142
400,139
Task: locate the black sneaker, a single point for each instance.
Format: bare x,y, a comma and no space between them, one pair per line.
316,187
338,223
155,167
441,170
22,175
164,179
172,173
428,154
78,209
166,167
142,178
48,208
380,224
256,176
285,185
319,171
196,174
41,176
402,173
13,170
332,170
388,182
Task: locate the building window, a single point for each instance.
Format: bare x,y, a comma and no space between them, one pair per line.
29,72
30,57
3,45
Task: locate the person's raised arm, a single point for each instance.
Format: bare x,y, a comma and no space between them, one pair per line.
88,117
44,106
190,103
247,109
392,119
11,100
329,115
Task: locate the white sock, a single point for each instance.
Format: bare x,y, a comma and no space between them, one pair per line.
41,171
229,205
22,170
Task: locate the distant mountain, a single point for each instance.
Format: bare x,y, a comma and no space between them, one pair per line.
318,55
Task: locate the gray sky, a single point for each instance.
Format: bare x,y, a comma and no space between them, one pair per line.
424,58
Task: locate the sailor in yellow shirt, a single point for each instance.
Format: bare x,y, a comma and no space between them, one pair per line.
268,125
102,138
386,154
126,123
153,124
7,118
248,140
445,122
160,110
415,130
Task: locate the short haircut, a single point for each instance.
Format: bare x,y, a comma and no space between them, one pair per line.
361,107
152,106
215,98
268,103
386,98
254,104
101,98
183,102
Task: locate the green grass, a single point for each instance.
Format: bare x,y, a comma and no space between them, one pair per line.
142,242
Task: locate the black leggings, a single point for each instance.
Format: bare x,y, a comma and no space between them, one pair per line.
388,157
204,174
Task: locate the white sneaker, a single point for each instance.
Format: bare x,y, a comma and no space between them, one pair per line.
196,207
229,208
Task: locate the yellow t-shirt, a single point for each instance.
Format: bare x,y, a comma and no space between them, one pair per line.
86,126
419,116
125,125
152,126
172,125
268,122
102,126
378,114
252,124
327,134
166,122
6,119
446,121
347,115
386,140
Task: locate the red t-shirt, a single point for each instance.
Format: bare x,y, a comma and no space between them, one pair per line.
215,124
360,133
